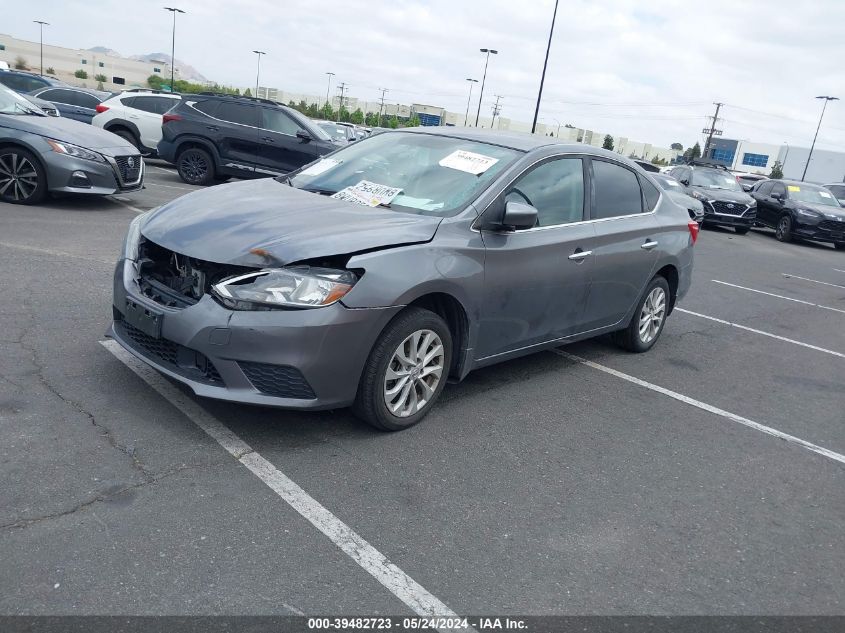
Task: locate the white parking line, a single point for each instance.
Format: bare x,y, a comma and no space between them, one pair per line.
122,202
815,281
157,168
47,251
156,184
771,294
371,560
769,334
839,270
707,407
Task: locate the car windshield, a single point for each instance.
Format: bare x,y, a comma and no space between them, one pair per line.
812,195
336,132
12,103
667,182
712,179
412,172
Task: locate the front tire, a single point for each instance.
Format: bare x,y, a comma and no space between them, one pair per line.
649,318
405,372
195,166
22,178
783,232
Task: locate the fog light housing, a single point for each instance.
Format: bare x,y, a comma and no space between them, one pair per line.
80,179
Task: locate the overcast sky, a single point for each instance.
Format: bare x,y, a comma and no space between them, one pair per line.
646,70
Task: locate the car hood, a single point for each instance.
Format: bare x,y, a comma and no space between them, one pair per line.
725,195
70,131
223,224
832,213
679,197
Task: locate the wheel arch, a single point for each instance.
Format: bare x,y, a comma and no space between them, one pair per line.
453,312
32,150
670,273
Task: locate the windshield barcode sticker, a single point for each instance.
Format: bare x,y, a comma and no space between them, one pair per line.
369,194
318,168
468,162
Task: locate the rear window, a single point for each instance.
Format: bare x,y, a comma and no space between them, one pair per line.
652,195
617,190
207,107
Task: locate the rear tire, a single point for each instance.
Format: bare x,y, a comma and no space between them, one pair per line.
405,372
741,230
783,231
649,318
22,178
195,166
128,136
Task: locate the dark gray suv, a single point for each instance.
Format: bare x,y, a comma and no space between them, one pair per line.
371,276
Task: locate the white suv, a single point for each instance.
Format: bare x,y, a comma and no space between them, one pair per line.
135,115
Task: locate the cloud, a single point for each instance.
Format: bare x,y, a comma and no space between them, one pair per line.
648,71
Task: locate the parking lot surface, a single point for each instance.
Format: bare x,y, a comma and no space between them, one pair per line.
704,477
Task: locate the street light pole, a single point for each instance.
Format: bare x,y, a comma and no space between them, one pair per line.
329,87
543,76
489,52
469,98
174,11
810,155
258,71
41,26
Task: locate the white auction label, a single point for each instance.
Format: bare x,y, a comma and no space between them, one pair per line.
368,193
318,168
469,162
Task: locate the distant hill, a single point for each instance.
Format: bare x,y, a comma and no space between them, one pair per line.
186,71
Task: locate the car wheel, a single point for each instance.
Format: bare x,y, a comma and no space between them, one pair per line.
22,179
741,230
195,166
405,372
783,232
127,136
649,318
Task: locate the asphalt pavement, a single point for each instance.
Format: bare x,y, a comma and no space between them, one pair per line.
704,477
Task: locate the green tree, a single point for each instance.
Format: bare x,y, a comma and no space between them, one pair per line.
655,160
247,93
80,74
777,170
357,117
313,110
49,70
156,82
414,121
100,79
394,122
327,112
20,63
696,151
677,146
608,142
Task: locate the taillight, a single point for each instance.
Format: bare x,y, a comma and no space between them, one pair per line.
167,118
693,227
101,108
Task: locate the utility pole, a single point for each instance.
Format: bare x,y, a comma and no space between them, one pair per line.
496,110
174,11
342,88
329,87
704,154
543,76
41,26
381,106
810,155
469,98
258,71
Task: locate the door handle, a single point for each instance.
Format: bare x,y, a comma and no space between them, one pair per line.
267,139
578,256
649,245
213,128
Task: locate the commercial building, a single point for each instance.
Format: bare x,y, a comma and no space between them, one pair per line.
120,73
758,158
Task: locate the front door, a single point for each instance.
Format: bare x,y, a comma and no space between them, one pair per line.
536,281
626,244
282,150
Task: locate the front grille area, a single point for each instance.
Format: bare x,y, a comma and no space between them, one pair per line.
281,381
129,173
720,206
833,225
178,358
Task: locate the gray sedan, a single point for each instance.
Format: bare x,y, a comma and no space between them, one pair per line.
41,154
371,276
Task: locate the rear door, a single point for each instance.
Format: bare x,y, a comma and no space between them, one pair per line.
281,150
761,196
536,281
625,246
73,104
236,135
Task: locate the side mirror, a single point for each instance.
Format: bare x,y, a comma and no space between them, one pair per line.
747,187
303,136
777,196
519,216
685,183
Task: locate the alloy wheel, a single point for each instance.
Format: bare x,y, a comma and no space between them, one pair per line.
783,228
413,373
194,166
18,177
652,315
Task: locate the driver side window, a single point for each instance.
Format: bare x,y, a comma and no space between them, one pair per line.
555,189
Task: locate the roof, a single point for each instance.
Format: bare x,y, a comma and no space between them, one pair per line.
513,140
